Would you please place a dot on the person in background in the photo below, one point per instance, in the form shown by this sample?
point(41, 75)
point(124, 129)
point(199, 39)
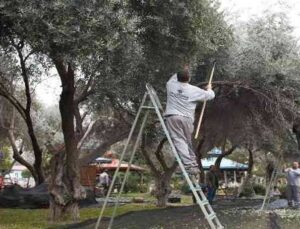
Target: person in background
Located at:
point(212, 183)
point(293, 185)
point(104, 181)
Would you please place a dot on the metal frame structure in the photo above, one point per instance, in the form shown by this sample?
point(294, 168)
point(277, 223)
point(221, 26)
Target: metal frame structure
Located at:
point(150, 102)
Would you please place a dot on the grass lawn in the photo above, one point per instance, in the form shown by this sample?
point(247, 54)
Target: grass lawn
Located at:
point(185, 199)
point(37, 218)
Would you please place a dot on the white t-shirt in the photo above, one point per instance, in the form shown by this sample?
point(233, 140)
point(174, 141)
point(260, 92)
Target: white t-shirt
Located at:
point(293, 177)
point(104, 178)
point(182, 98)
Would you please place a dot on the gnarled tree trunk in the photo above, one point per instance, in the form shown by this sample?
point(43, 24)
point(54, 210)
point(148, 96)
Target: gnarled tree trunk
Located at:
point(163, 188)
point(199, 157)
point(65, 188)
point(248, 180)
point(161, 171)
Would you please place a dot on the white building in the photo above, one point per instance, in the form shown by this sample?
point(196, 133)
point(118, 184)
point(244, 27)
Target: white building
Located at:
point(15, 177)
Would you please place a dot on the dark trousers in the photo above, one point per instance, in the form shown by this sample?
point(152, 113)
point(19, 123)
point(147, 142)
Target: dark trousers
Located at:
point(293, 195)
point(105, 189)
point(211, 192)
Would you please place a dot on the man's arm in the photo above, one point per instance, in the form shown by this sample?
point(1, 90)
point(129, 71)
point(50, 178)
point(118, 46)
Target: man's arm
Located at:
point(297, 172)
point(287, 170)
point(202, 95)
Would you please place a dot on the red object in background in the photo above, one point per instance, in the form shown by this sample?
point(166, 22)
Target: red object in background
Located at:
point(1, 182)
point(114, 165)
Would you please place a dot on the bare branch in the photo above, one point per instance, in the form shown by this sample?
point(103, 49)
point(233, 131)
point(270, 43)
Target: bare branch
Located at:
point(87, 132)
point(12, 100)
point(88, 90)
point(28, 55)
point(159, 155)
point(17, 153)
point(147, 157)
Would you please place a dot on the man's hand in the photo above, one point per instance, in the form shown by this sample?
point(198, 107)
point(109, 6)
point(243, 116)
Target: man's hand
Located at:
point(209, 87)
point(287, 170)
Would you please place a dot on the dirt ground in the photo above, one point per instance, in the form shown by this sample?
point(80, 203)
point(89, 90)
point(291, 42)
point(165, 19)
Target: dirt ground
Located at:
point(233, 214)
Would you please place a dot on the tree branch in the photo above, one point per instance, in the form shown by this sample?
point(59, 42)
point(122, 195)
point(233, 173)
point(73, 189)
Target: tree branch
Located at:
point(102, 148)
point(24, 74)
point(147, 157)
point(17, 153)
point(87, 132)
point(224, 154)
point(13, 101)
point(28, 55)
point(159, 155)
point(88, 90)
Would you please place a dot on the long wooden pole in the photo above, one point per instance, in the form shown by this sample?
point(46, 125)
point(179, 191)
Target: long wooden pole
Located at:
point(204, 103)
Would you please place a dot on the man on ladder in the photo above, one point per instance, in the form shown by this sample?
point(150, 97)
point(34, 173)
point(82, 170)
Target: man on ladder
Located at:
point(182, 99)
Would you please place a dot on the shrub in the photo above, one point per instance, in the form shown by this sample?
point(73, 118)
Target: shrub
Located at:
point(143, 188)
point(282, 189)
point(133, 183)
point(248, 191)
point(259, 189)
point(177, 183)
point(185, 189)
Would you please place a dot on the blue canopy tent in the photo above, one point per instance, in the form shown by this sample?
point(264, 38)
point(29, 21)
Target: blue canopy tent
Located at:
point(227, 166)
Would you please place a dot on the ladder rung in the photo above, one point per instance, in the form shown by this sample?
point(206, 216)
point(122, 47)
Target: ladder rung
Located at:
point(148, 107)
point(204, 202)
point(211, 216)
point(198, 188)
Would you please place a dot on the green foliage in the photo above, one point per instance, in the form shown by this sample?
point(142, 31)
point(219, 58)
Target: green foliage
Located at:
point(247, 192)
point(166, 35)
point(282, 189)
point(259, 85)
point(267, 54)
point(176, 182)
point(5, 163)
point(60, 27)
point(133, 184)
point(185, 189)
point(26, 174)
point(259, 189)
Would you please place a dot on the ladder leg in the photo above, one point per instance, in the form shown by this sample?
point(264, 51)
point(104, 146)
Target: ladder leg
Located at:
point(269, 187)
point(267, 191)
point(121, 159)
point(128, 168)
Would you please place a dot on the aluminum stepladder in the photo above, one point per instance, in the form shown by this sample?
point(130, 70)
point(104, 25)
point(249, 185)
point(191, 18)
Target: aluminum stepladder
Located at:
point(150, 102)
point(273, 181)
